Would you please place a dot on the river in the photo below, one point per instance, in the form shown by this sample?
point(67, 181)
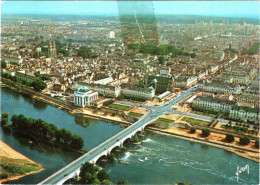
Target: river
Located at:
point(158, 160)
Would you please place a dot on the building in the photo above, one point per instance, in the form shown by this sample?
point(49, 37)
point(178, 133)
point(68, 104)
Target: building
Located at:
point(138, 92)
point(184, 81)
point(104, 90)
point(161, 83)
point(242, 113)
point(52, 52)
point(245, 114)
point(104, 81)
point(165, 71)
point(213, 104)
point(111, 34)
point(14, 58)
point(83, 97)
point(219, 88)
point(140, 64)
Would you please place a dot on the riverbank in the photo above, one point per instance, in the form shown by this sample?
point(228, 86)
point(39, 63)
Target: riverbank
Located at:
point(215, 140)
point(248, 153)
point(9, 153)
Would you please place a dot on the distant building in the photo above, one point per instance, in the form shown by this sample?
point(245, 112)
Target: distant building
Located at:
point(111, 34)
point(52, 52)
point(83, 97)
point(165, 71)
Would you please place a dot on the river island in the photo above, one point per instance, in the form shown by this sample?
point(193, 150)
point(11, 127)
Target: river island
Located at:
point(15, 165)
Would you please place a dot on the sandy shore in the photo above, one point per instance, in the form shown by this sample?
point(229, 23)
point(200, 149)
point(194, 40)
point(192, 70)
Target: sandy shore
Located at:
point(217, 139)
point(7, 151)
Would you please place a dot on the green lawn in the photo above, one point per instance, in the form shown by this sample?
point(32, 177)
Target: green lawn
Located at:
point(196, 121)
point(135, 114)
point(163, 120)
point(120, 107)
point(204, 114)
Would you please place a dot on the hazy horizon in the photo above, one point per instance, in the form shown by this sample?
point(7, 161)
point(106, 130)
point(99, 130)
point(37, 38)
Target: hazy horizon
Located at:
point(235, 9)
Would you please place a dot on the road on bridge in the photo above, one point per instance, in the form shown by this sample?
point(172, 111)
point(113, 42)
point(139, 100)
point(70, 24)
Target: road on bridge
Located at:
point(154, 112)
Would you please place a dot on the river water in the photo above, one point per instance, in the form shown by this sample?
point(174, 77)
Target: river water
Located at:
point(158, 160)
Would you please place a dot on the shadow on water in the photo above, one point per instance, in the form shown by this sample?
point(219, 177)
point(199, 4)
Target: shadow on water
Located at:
point(27, 98)
point(41, 147)
point(204, 147)
point(84, 122)
point(39, 105)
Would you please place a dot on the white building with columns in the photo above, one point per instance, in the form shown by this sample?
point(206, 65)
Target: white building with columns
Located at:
point(84, 96)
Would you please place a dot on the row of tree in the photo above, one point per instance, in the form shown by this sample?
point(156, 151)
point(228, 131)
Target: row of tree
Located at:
point(38, 84)
point(243, 140)
point(123, 96)
point(42, 77)
point(91, 174)
point(39, 130)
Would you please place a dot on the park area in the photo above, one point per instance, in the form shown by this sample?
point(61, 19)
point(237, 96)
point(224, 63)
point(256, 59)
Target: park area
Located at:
point(120, 107)
point(196, 121)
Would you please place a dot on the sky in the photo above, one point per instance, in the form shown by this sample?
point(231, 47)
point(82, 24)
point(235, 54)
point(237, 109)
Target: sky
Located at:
point(208, 8)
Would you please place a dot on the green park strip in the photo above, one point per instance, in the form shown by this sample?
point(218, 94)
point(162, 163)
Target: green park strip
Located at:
point(204, 114)
point(120, 107)
point(196, 121)
point(163, 120)
point(14, 167)
point(135, 114)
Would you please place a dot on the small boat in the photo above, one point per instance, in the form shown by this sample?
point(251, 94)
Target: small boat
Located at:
point(141, 160)
point(146, 158)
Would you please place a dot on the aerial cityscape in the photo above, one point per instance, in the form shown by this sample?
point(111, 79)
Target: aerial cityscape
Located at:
point(130, 92)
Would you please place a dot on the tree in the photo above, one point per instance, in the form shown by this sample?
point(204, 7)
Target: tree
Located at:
point(244, 140)
point(102, 175)
point(140, 84)
point(257, 143)
point(229, 138)
point(192, 130)
point(161, 60)
point(77, 142)
point(229, 122)
point(84, 52)
point(111, 157)
point(4, 118)
point(107, 103)
point(96, 182)
point(38, 85)
point(123, 181)
point(88, 173)
point(136, 139)
point(205, 132)
point(106, 182)
point(3, 64)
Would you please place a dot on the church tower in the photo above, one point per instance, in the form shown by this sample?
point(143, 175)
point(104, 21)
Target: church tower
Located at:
point(52, 50)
